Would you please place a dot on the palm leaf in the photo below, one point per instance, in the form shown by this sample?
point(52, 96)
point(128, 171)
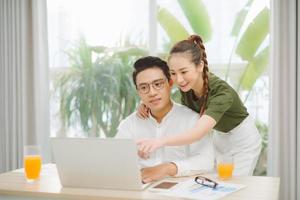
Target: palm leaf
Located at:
point(254, 35)
point(197, 15)
point(254, 69)
point(240, 19)
point(171, 25)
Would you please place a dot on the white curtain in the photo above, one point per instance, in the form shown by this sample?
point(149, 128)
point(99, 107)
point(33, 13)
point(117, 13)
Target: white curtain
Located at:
point(283, 157)
point(297, 157)
point(24, 85)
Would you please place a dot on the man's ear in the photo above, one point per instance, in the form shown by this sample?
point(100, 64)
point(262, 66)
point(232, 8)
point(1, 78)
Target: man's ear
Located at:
point(171, 82)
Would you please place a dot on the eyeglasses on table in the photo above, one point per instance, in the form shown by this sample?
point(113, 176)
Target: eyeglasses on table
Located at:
point(206, 182)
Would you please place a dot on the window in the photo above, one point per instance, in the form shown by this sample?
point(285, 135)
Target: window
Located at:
point(104, 30)
point(112, 25)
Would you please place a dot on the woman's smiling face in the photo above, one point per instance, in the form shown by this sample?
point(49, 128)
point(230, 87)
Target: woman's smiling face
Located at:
point(186, 74)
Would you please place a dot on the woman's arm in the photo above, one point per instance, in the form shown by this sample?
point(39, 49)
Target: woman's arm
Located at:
point(202, 127)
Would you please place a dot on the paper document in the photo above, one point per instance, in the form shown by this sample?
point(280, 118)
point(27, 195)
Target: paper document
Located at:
point(192, 190)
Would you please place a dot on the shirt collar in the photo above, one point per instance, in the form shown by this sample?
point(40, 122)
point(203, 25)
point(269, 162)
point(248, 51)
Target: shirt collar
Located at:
point(166, 116)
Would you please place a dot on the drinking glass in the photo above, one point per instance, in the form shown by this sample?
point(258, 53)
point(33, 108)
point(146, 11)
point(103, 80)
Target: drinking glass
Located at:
point(225, 167)
point(32, 162)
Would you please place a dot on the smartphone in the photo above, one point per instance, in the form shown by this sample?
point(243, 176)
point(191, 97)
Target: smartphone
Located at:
point(163, 186)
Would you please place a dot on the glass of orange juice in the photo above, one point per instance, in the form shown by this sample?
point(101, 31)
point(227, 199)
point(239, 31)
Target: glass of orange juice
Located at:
point(225, 167)
point(32, 162)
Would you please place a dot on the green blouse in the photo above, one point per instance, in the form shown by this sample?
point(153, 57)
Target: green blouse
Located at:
point(223, 104)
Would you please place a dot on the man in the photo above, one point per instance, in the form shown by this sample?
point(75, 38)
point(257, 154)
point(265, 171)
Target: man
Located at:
point(152, 80)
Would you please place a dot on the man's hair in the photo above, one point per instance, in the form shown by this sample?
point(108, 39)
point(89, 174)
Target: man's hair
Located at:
point(147, 63)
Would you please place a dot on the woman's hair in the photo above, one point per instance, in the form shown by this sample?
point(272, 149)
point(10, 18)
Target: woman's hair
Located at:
point(150, 62)
point(194, 46)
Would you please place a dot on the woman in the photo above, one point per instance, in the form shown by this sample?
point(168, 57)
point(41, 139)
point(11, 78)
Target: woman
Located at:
point(219, 106)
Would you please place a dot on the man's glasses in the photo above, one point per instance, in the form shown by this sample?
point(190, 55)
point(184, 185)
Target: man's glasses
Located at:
point(206, 182)
point(145, 87)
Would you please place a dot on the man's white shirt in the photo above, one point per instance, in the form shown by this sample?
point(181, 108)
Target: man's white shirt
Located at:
point(190, 159)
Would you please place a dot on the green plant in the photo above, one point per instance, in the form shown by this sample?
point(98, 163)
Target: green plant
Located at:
point(97, 90)
point(261, 166)
point(250, 46)
point(196, 14)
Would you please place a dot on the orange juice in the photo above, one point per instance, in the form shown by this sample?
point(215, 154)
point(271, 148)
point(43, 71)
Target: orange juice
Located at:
point(32, 165)
point(225, 170)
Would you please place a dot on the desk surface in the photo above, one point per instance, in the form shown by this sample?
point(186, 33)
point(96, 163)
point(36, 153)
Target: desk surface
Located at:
point(14, 184)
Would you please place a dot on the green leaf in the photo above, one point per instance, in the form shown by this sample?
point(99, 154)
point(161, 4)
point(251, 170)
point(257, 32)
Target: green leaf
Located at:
point(98, 49)
point(171, 25)
point(240, 19)
point(197, 15)
point(254, 69)
point(254, 35)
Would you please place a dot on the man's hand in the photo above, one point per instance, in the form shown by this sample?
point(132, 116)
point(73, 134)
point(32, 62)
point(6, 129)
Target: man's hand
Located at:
point(157, 172)
point(147, 146)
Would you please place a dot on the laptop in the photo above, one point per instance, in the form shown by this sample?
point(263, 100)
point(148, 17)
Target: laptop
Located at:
point(97, 163)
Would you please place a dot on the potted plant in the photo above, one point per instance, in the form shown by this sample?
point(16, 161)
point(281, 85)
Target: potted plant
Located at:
point(96, 91)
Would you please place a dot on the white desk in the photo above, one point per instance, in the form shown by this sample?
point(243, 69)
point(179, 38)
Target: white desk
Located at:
point(14, 186)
